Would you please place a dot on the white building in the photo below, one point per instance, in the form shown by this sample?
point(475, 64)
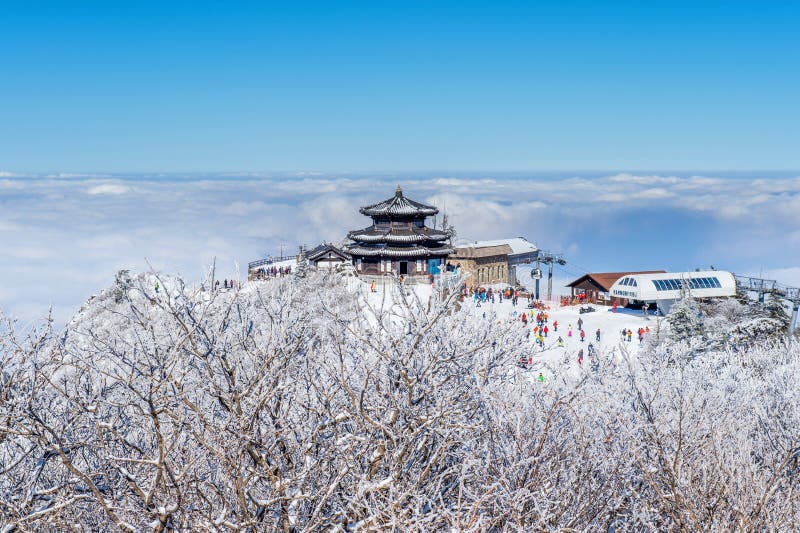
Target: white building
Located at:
point(665, 288)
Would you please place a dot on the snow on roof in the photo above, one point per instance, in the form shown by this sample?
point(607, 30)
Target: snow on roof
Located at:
point(518, 245)
point(399, 205)
point(470, 252)
point(607, 279)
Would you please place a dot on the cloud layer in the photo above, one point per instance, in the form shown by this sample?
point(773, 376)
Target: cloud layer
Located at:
point(63, 237)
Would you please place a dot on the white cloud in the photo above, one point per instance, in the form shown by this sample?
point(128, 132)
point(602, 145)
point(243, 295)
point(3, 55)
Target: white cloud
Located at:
point(64, 238)
point(109, 188)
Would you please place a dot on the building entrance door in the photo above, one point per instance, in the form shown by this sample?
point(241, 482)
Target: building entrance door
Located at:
point(403, 268)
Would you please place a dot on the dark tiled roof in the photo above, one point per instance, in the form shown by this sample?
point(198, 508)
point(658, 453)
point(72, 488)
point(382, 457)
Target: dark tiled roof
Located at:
point(399, 205)
point(391, 251)
point(415, 235)
point(324, 248)
point(607, 279)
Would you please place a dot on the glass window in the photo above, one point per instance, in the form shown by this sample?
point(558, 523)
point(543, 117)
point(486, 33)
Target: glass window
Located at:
point(716, 283)
point(633, 282)
point(707, 283)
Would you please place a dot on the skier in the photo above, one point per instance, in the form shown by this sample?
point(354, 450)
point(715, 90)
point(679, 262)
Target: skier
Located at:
point(546, 316)
point(541, 378)
point(555, 325)
point(590, 350)
point(629, 335)
point(569, 333)
point(546, 330)
point(561, 342)
point(156, 286)
point(597, 335)
point(580, 324)
point(580, 357)
point(583, 335)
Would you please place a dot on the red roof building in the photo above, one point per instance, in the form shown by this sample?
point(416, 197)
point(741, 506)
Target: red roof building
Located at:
point(596, 287)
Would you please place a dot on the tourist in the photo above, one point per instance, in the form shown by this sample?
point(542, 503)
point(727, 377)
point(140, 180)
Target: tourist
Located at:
point(569, 333)
point(555, 325)
point(583, 335)
point(597, 335)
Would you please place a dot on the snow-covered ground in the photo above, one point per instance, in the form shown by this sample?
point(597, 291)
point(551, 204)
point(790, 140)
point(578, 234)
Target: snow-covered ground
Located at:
point(552, 360)
point(564, 360)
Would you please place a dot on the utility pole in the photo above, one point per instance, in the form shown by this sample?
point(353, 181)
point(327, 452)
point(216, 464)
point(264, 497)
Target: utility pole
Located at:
point(549, 259)
point(213, 272)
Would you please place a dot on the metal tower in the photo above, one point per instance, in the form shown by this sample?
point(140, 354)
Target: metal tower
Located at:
point(547, 258)
point(769, 286)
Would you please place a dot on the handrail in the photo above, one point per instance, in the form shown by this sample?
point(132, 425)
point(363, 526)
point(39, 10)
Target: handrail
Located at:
point(261, 262)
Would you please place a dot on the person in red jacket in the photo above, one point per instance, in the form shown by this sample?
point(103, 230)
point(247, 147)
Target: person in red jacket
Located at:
point(583, 335)
point(555, 325)
point(546, 330)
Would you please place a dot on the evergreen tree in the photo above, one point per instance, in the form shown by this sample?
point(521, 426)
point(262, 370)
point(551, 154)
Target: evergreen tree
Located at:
point(685, 320)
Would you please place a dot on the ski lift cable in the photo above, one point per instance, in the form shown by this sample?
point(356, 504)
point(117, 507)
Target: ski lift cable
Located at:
point(570, 272)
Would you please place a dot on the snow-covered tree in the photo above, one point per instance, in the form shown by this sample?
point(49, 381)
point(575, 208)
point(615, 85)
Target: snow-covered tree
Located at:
point(685, 319)
point(298, 405)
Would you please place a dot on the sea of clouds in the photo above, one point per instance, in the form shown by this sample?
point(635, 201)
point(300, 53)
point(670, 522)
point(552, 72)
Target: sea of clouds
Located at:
point(63, 237)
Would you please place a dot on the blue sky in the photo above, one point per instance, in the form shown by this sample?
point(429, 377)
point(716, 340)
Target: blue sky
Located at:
point(143, 86)
point(626, 134)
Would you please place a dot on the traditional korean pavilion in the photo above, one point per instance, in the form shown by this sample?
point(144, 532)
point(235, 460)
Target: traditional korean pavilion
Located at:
point(398, 241)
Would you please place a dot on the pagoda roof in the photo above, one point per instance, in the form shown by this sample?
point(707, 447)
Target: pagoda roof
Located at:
point(391, 251)
point(399, 205)
point(405, 236)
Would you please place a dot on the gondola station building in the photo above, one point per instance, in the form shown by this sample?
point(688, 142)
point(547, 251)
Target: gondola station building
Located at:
point(398, 241)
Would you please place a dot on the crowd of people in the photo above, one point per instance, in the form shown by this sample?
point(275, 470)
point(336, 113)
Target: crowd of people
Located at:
point(273, 271)
point(544, 329)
